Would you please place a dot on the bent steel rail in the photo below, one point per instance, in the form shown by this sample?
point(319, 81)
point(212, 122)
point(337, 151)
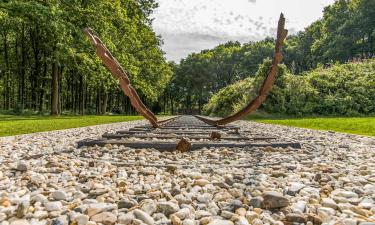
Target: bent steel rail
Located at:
point(267, 84)
point(115, 68)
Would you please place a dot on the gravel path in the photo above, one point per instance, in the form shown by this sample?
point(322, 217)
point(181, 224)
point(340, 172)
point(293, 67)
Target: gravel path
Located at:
point(331, 180)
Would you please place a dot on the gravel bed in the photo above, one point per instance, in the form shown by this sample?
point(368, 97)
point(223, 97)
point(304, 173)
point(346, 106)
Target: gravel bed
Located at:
point(46, 180)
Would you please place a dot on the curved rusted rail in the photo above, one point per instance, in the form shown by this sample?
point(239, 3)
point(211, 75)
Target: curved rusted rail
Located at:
point(267, 84)
point(115, 68)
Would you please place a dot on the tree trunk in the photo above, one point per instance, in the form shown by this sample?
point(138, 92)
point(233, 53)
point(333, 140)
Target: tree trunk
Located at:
point(7, 79)
point(105, 103)
point(55, 90)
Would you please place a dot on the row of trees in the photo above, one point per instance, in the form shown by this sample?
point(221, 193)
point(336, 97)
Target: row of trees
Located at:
point(346, 32)
point(47, 63)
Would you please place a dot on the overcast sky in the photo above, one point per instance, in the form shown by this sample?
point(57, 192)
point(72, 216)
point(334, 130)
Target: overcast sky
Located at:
point(193, 25)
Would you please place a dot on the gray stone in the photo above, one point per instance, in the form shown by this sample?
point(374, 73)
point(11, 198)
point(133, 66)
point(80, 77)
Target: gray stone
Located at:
point(22, 166)
point(148, 206)
point(53, 206)
point(57, 221)
point(59, 195)
point(294, 188)
point(39, 198)
point(22, 209)
point(126, 204)
point(126, 218)
point(147, 219)
point(202, 213)
point(105, 218)
point(330, 203)
point(273, 200)
point(256, 202)
point(168, 208)
point(295, 218)
point(98, 208)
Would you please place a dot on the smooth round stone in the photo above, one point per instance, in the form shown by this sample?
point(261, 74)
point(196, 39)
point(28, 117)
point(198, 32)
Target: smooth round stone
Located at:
point(330, 203)
point(39, 198)
point(201, 182)
point(59, 195)
point(22, 166)
point(147, 219)
point(105, 218)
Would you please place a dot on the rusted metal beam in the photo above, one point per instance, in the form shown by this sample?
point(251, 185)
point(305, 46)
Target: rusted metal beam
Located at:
point(171, 146)
point(192, 137)
point(267, 84)
point(197, 132)
point(115, 68)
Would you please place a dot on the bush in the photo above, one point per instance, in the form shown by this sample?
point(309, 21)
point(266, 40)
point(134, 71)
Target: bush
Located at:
point(346, 90)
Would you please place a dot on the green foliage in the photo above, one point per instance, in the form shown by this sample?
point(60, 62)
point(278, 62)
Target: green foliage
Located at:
point(346, 89)
point(230, 99)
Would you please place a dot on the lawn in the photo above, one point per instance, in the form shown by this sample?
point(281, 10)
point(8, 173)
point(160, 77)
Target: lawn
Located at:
point(351, 125)
point(14, 125)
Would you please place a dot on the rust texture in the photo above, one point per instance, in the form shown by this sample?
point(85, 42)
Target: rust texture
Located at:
point(267, 84)
point(115, 68)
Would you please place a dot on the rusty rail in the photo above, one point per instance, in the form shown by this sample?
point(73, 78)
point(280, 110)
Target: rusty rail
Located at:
point(115, 68)
point(267, 84)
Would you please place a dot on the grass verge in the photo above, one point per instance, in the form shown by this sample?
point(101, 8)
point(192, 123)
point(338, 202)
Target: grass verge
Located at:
point(14, 125)
point(351, 125)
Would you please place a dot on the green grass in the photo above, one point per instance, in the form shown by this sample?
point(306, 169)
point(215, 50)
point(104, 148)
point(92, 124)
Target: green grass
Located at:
point(14, 125)
point(351, 125)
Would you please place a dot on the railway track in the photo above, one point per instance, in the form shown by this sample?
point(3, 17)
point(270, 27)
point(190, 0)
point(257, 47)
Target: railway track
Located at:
point(187, 133)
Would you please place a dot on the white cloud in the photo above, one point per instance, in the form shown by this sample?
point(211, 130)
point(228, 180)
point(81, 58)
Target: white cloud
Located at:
point(192, 25)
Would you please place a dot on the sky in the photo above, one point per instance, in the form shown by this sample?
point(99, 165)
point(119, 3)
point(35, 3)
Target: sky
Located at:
point(188, 26)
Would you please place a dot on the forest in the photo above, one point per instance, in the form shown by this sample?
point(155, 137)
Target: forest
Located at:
point(48, 66)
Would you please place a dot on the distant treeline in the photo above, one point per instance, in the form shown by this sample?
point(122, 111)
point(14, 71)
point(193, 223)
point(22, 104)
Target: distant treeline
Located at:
point(345, 33)
point(48, 65)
